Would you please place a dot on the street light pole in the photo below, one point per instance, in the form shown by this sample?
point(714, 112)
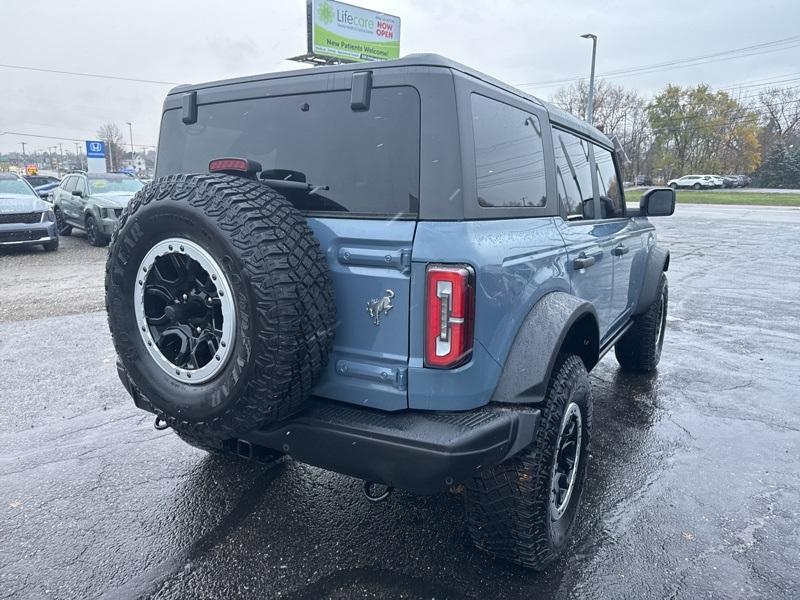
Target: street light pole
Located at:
point(130, 131)
point(590, 103)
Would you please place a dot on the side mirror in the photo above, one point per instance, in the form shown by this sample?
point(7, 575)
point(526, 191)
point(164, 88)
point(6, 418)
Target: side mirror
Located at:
point(657, 202)
point(78, 193)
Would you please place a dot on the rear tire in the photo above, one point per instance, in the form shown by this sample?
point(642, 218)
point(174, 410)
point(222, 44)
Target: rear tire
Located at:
point(640, 348)
point(512, 511)
point(61, 223)
point(696, 186)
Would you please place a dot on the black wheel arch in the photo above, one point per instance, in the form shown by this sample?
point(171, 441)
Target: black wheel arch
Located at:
point(559, 322)
point(657, 263)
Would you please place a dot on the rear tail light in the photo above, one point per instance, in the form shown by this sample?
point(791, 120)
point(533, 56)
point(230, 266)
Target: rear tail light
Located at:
point(449, 315)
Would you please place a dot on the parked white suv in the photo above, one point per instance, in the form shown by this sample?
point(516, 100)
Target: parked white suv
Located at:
point(695, 182)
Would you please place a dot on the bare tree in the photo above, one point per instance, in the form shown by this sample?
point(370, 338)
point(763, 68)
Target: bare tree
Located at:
point(781, 110)
point(112, 136)
point(617, 111)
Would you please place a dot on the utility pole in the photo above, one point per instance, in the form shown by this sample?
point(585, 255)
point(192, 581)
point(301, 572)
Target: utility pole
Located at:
point(130, 130)
point(23, 150)
point(590, 103)
point(78, 155)
point(61, 160)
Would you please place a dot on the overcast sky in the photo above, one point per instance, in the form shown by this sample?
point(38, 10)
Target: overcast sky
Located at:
point(199, 40)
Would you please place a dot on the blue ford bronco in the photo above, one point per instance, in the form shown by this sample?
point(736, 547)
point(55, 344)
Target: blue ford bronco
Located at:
point(400, 271)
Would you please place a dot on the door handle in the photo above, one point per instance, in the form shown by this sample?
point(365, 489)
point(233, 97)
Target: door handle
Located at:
point(620, 250)
point(583, 261)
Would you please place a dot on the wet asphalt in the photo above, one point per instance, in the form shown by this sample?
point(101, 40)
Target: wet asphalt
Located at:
point(693, 488)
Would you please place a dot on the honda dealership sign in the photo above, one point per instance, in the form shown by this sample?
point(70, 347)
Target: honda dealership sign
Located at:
point(351, 34)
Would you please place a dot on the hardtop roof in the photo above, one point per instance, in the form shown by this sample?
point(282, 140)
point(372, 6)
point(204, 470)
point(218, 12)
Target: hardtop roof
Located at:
point(557, 115)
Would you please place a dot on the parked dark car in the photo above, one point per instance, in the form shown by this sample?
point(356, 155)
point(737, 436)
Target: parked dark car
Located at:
point(730, 181)
point(25, 219)
point(742, 180)
point(43, 184)
point(643, 180)
point(93, 202)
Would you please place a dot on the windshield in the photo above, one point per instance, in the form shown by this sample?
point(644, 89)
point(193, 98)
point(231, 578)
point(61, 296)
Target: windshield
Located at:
point(112, 185)
point(15, 188)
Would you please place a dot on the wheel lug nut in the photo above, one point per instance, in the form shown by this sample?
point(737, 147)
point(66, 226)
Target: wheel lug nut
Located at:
point(185, 297)
point(198, 330)
point(214, 277)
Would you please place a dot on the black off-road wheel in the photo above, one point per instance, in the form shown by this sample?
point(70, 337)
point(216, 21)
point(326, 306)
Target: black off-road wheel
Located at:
point(61, 223)
point(93, 234)
point(220, 304)
point(523, 510)
point(640, 348)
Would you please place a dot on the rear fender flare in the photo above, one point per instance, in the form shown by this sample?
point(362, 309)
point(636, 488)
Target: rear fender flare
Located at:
point(557, 322)
point(657, 263)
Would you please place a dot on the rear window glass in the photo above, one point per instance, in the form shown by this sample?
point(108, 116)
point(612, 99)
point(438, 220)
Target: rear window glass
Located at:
point(357, 162)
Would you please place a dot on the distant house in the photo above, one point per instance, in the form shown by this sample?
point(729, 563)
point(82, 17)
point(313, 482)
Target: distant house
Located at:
point(137, 164)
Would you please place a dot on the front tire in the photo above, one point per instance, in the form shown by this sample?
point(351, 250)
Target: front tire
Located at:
point(640, 348)
point(93, 234)
point(50, 246)
point(523, 510)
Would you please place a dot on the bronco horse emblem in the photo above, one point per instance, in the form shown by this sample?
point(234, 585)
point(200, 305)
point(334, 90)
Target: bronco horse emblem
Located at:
point(376, 306)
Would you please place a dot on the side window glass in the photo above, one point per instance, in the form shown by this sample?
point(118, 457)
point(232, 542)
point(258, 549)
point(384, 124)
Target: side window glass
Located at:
point(573, 175)
point(81, 185)
point(69, 184)
point(611, 205)
point(509, 156)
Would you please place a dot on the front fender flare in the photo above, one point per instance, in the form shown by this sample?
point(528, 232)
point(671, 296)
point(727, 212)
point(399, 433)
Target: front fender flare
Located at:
point(539, 340)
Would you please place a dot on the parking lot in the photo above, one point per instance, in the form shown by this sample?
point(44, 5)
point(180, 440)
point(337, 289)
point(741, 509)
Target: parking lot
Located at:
point(693, 486)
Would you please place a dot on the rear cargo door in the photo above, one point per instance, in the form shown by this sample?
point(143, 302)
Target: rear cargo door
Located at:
point(370, 263)
point(349, 160)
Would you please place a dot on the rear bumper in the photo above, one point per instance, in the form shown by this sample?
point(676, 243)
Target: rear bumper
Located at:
point(422, 452)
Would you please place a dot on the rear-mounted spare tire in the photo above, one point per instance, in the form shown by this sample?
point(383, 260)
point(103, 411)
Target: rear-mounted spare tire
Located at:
point(219, 302)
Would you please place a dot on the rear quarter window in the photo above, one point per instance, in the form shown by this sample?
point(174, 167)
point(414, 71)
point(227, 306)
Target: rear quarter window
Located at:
point(368, 160)
point(509, 155)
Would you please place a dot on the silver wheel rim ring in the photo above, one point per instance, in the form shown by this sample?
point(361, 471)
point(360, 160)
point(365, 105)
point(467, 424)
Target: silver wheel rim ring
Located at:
point(207, 262)
point(557, 510)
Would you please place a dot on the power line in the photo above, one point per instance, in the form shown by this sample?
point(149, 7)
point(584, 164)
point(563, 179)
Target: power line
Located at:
point(744, 51)
point(63, 139)
point(79, 74)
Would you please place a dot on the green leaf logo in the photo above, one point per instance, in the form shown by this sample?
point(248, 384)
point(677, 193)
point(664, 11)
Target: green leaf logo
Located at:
point(325, 13)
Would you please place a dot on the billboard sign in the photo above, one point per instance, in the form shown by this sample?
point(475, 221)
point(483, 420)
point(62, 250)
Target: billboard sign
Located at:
point(351, 34)
point(95, 156)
